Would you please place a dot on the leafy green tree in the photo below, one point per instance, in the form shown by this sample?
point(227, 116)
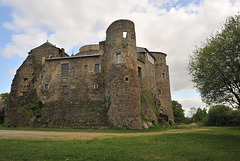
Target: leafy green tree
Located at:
point(219, 115)
point(215, 66)
point(4, 96)
point(178, 112)
point(200, 115)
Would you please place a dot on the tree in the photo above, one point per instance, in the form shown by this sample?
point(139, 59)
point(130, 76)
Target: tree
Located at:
point(4, 96)
point(215, 66)
point(200, 115)
point(178, 112)
point(220, 115)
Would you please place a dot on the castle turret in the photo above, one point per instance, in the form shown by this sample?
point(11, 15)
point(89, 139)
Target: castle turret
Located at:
point(163, 85)
point(121, 75)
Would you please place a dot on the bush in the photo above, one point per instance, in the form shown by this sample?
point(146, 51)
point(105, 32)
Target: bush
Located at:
point(221, 115)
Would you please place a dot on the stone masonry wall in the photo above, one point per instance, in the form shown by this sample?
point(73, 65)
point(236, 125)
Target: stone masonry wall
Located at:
point(163, 85)
point(121, 75)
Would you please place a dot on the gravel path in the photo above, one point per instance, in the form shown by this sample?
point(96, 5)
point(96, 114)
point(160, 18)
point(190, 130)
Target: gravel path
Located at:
point(46, 135)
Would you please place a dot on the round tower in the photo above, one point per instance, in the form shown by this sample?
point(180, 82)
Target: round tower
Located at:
point(121, 80)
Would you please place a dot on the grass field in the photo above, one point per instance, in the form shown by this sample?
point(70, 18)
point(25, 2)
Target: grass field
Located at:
point(216, 143)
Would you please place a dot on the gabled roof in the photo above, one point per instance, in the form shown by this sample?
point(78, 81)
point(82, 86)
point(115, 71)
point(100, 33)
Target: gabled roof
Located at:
point(49, 44)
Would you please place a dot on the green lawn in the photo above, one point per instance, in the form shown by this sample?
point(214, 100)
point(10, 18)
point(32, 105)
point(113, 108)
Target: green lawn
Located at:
point(217, 143)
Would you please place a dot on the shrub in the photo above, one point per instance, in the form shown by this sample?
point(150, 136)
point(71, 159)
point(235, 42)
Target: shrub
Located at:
point(221, 115)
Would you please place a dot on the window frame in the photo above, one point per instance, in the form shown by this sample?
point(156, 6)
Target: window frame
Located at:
point(65, 89)
point(46, 86)
point(97, 68)
point(119, 58)
point(65, 69)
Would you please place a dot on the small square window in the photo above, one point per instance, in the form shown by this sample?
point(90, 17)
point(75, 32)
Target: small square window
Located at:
point(65, 89)
point(126, 79)
point(159, 91)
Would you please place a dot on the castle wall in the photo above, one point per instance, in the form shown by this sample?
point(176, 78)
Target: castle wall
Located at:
point(83, 83)
point(44, 102)
point(146, 73)
point(27, 75)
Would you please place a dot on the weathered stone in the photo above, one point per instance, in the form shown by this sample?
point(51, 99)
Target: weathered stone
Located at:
point(145, 126)
point(110, 83)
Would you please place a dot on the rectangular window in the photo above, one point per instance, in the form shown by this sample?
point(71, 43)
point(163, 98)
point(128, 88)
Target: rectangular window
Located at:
point(160, 60)
point(65, 70)
point(119, 58)
point(163, 75)
point(124, 34)
point(46, 86)
point(65, 89)
point(139, 71)
point(97, 69)
point(85, 68)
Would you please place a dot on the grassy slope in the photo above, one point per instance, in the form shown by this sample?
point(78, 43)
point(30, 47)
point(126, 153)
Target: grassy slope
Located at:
point(218, 143)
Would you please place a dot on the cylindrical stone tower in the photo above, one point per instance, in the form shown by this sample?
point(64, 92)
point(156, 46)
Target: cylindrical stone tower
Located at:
point(121, 80)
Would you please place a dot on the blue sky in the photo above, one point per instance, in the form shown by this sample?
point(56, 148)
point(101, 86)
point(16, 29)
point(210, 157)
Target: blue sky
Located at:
point(171, 26)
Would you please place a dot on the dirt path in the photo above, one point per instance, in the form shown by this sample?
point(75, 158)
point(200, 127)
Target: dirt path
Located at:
point(44, 135)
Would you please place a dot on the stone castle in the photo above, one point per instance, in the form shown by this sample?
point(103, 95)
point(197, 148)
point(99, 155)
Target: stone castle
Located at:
point(113, 83)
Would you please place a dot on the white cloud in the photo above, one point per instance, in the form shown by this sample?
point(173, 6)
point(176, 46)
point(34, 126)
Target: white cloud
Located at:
point(189, 102)
point(70, 23)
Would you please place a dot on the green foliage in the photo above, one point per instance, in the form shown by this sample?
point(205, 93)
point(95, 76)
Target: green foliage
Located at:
point(178, 112)
point(212, 144)
point(221, 115)
point(147, 97)
point(25, 112)
point(215, 66)
point(200, 115)
point(4, 96)
point(31, 106)
point(35, 99)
